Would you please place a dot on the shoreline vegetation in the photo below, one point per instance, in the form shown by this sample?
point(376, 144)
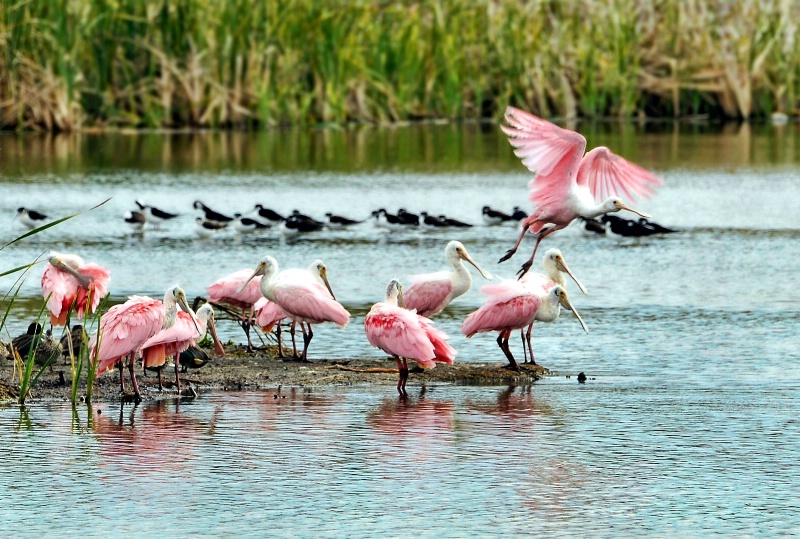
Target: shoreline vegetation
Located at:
point(248, 64)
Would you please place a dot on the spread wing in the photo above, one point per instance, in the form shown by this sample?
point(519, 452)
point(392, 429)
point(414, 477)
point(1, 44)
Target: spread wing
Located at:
point(607, 174)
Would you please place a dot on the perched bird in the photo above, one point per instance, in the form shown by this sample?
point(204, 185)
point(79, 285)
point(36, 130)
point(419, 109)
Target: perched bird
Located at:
point(69, 283)
point(453, 222)
point(31, 218)
point(511, 305)
point(388, 220)
point(211, 215)
point(268, 214)
point(493, 217)
point(304, 295)
point(432, 220)
point(407, 217)
point(568, 183)
point(126, 327)
point(155, 215)
point(633, 228)
point(136, 219)
point(186, 331)
point(209, 229)
point(430, 293)
point(297, 222)
point(338, 220)
point(405, 335)
point(518, 214)
point(226, 291)
point(246, 225)
point(268, 317)
point(44, 347)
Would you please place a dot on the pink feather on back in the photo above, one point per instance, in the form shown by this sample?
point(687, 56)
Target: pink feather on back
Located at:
point(224, 290)
point(428, 296)
point(65, 291)
point(510, 305)
point(173, 340)
point(269, 313)
point(310, 302)
point(124, 329)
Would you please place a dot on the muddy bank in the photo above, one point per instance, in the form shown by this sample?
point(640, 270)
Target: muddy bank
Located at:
point(239, 370)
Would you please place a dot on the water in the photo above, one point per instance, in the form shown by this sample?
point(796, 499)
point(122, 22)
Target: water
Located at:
point(686, 427)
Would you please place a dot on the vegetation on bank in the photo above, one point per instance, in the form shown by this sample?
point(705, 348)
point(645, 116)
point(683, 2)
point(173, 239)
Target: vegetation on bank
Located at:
point(70, 64)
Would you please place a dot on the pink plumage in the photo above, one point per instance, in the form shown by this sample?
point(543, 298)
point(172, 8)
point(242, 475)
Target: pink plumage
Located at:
point(430, 295)
point(305, 300)
point(125, 328)
point(173, 340)
point(569, 184)
point(509, 306)
point(224, 290)
point(63, 290)
point(269, 314)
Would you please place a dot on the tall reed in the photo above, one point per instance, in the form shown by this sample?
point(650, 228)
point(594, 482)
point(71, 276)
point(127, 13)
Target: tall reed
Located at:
point(249, 63)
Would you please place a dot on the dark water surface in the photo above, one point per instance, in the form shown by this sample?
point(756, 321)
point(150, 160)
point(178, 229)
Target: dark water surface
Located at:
point(687, 427)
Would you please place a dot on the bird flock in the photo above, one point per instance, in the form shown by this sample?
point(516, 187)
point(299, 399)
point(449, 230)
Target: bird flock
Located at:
point(567, 185)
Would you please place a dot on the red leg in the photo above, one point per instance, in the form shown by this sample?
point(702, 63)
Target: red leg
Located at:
point(513, 250)
point(307, 336)
point(121, 377)
point(524, 350)
point(137, 395)
point(502, 342)
point(528, 338)
point(177, 376)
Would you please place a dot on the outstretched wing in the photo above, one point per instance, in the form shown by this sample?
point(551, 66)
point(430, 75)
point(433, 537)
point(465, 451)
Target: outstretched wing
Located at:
point(607, 174)
point(552, 153)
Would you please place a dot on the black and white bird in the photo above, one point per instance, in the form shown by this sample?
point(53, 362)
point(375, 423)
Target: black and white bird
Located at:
point(630, 228)
point(269, 215)
point(211, 215)
point(518, 214)
point(407, 217)
point(136, 219)
point(31, 218)
point(208, 229)
point(338, 220)
point(154, 215)
point(388, 220)
point(493, 217)
point(298, 222)
point(431, 220)
point(245, 224)
point(453, 222)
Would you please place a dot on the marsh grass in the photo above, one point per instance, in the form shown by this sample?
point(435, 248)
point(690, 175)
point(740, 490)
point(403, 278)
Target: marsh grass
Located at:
point(249, 63)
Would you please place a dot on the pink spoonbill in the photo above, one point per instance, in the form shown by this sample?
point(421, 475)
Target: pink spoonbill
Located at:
point(305, 295)
point(126, 327)
point(430, 293)
point(177, 338)
point(405, 335)
point(70, 283)
point(226, 291)
point(568, 184)
point(511, 305)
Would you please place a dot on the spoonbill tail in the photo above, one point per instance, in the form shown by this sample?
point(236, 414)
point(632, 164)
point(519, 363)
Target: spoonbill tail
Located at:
point(126, 327)
point(569, 184)
point(68, 282)
point(430, 293)
point(405, 335)
point(304, 294)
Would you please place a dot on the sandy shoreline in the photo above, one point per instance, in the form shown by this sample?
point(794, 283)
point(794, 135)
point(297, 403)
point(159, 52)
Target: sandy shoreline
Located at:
point(239, 370)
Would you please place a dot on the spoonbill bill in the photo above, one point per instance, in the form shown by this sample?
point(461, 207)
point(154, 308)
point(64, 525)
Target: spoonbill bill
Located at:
point(568, 184)
point(304, 294)
point(405, 335)
point(70, 283)
point(430, 293)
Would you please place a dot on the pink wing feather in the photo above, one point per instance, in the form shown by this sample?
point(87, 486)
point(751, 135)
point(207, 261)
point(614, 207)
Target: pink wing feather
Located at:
point(61, 288)
point(97, 289)
point(310, 302)
point(428, 297)
point(398, 332)
point(125, 328)
point(173, 340)
point(509, 306)
point(607, 174)
point(269, 313)
point(224, 290)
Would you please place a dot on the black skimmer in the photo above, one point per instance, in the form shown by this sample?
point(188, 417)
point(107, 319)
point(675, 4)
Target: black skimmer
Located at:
point(212, 215)
point(432, 220)
point(453, 222)
point(268, 214)
point(407, 217)
point(495, 217)
point(153, 214)
point(518, 214)
point(634, 229)
point(338, 220)
point(31, 218)
point(136, 219)
point(208, 229)
point(388, 220)
point(297, 222)
point(657, 229)
point(245, 224)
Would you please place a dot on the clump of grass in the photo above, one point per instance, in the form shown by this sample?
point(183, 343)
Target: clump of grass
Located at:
point(248, 63)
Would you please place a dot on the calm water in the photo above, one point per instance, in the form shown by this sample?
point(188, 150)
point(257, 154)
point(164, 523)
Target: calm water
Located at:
point(688, 427)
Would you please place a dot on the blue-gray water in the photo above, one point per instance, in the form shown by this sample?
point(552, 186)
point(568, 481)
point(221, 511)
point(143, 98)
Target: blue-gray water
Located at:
point(688, 425)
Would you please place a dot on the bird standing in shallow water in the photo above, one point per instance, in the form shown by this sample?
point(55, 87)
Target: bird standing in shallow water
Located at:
point(405, 335)
point(31, 218)
point(430, 293)
point(569, 184)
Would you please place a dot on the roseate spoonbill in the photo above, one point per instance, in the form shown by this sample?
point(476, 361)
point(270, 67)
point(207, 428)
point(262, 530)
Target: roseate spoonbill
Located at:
point(554, 266)
point(405, 335)
point(493, 217)
point(226, 291)
point(305, 295)
point(175, 339)
point(31, 218)
point(268, 214)
point(44, 347)
point(208, 229)
point(136, 219)
point(211, 215)
point(68, 282)
point(338, 220)
point(245, 224)
point(127, 326)
point(153, 214)
point(511, 305)
point(430, 293)
point(568, 184)
point(268, 316)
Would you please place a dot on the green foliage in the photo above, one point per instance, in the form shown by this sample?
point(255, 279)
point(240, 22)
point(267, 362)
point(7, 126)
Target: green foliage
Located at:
point(250, 63)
